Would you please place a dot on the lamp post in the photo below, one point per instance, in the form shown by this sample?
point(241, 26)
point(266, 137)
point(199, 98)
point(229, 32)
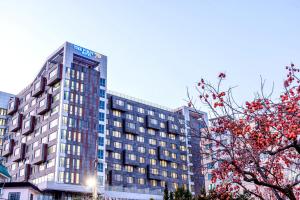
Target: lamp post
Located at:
point(92, 183)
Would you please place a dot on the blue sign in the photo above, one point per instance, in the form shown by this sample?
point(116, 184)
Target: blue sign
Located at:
point(84, 51)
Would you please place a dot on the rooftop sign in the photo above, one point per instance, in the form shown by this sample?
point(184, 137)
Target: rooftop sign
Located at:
point(86, 52)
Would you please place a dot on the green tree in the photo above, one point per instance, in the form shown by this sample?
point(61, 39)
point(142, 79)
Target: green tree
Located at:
point(183, 194)
point(166, 192)
point(171, 196)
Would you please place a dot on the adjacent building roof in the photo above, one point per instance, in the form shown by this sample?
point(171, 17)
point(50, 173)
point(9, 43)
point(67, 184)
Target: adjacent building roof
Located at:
point(19, 185)
point(4, 171)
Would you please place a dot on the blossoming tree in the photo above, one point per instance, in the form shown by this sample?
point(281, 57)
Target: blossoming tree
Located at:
point(255, 146)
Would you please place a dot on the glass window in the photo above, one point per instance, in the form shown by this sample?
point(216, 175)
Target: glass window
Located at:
point(141, 110)
point(118, 145)
point(101, 116)
point(102, 82)
point(140, 119)
point(52, 136)
point(116, 155)
point(129, 116)
point(141, 149)
point(129, 107)
point(129, 147)
point(117, 124)
point(101, 141)
point(101, 128)
point(53, 73)
point(141, 181)
point(152, 141)
point(116, 134)
point(150, 112)
point(129, 179)
point(116, 113)
point(140, 139)
point(152, 151)
point(53, 123)
point(129, 168)
point(102, 93)
point(100, 167)
point(100, 153)
point(151, 131)
point(102, 104)
point(129, 136)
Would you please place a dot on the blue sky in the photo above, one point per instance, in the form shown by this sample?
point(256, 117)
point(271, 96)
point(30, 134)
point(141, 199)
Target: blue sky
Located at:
point(155, 48)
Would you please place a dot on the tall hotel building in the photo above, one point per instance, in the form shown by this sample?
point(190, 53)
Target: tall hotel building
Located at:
point(65, 128)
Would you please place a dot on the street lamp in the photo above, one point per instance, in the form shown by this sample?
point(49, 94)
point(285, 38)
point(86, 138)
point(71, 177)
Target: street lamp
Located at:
point(91, 182)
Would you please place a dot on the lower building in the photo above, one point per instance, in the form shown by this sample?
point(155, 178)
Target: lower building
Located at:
point(19, 191)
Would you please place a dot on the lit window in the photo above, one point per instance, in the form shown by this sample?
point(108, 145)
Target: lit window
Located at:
point(152, 161)
point(162, 134)
point(153, 183)
point(116, 155)
point(141, 129)
point(154, 171)
point(163, 163)
point(140, 119)
point(116, 134)
point(174, 165)
point(141, 181)
point(129, 168)
point(142, 160)
point(128, 147)
point(141, 170)
point(129, 136)
point(172, 136)
point(116, 113)
point(162, 143)
point(132, 157)
point(152, 141)
point(118, 145)
point(152, 151)
point(174, 175)
point(117, 167)
point(117, 124)
point(140, 139)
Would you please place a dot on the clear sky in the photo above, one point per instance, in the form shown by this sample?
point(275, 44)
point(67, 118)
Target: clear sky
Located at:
point(155, 48)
